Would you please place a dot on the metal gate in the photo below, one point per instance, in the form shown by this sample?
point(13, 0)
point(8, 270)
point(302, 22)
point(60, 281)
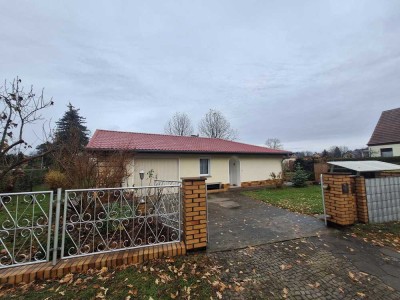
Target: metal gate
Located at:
point(96, 221)
point(87, 222)
point(383, 198)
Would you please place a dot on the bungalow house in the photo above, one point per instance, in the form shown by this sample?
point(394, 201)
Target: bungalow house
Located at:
point(224, 163)
point(385, 140)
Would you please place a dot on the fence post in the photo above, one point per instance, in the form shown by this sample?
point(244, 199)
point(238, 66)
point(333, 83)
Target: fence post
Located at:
point(56, 228)
point(194, 212)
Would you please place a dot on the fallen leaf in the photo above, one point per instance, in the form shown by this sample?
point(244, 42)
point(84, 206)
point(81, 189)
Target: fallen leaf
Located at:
point(239, 288)
point(285, 267)
point(352, 276)
point(78, 281)
point(285, 292)
point(133, 292)
point(314, 286)
point(362, 295)
point(105, 290)
point(67, 278)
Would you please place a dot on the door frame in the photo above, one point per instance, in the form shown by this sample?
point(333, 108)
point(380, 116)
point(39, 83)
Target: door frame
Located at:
point(234, 171)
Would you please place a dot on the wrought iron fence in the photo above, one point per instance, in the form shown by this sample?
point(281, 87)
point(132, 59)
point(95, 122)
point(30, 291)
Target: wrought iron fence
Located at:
point(112, 219)
point(93, 221)
point(158, 182)
point(25, 228)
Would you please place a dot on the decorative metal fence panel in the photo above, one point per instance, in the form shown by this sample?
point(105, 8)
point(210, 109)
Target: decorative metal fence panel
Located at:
point(158, 182)
point(25, 228)
point(383, 198)
point(112, 219)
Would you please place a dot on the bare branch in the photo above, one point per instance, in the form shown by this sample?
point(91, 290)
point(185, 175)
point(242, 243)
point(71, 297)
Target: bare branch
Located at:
point(274, 143)
point(215, 125)
point(179, 124)
point(9, 168)
point(17, 109)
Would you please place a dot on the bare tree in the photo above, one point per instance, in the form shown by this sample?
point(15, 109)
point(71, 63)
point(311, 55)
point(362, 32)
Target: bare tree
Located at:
point(274, 143)
point(18, 109)
point(215, 125)
point(179, 124)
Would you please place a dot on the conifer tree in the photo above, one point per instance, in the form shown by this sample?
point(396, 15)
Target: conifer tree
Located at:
point(71, 128)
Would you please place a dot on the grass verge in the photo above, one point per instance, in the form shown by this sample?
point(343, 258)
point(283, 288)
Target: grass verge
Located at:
point(307, 200)
point(187, 277)
point(383, 234)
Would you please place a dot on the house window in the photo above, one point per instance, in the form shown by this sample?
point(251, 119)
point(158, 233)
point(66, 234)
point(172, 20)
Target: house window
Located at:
point(386, 152)
point(204, 166)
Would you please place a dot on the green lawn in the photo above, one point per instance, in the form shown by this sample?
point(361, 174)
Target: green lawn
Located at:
point(187, 277)
point(307, 200)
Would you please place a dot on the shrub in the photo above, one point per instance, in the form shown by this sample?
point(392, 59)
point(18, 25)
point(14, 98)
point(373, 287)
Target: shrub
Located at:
point(300, 177)
point(277, 178)
point(56, 179)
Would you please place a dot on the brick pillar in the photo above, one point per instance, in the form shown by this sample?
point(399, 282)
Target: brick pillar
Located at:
point(361, 200)
point(194, 212)
point(340, 200)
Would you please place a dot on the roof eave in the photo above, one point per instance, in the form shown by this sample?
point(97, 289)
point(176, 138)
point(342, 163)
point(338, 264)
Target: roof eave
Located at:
point(190, 152)
point(385, 143)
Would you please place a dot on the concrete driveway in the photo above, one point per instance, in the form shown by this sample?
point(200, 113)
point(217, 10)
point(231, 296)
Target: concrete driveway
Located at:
point(236, 221)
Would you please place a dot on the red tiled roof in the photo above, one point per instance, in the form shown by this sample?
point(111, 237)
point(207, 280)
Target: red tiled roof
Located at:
point(387, 131)
point(145, 142)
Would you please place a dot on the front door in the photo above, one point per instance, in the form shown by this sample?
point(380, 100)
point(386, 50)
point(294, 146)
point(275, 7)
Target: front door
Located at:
point(234, 172)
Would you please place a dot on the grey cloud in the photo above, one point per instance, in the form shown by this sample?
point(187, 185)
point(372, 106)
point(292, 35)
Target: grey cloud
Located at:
point(317, 74)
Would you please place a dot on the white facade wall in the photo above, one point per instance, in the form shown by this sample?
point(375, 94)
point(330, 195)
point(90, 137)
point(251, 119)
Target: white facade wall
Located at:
point(255, 168)
point(376, 150)
point(176, 166)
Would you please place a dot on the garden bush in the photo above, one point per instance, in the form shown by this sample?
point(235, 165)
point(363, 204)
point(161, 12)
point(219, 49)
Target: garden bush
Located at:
point(56, 179)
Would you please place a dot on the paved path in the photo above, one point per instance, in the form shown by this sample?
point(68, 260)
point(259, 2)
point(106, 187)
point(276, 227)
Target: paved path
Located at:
point(296, 257)
point(237, 221)
point(298, 269)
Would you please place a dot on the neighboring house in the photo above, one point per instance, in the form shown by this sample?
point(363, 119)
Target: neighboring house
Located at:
point(224, 163)
point(385, 140)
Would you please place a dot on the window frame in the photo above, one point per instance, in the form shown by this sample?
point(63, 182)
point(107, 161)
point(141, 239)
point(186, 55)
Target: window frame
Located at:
point(386, 150)
point(208, 166)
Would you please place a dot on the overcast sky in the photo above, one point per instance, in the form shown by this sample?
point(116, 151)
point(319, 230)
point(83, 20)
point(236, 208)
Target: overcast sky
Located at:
point(311, 73)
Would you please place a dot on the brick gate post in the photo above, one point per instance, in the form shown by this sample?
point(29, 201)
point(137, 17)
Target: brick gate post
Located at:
point(361, 194)
point(340, 199)
point(194, 212)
